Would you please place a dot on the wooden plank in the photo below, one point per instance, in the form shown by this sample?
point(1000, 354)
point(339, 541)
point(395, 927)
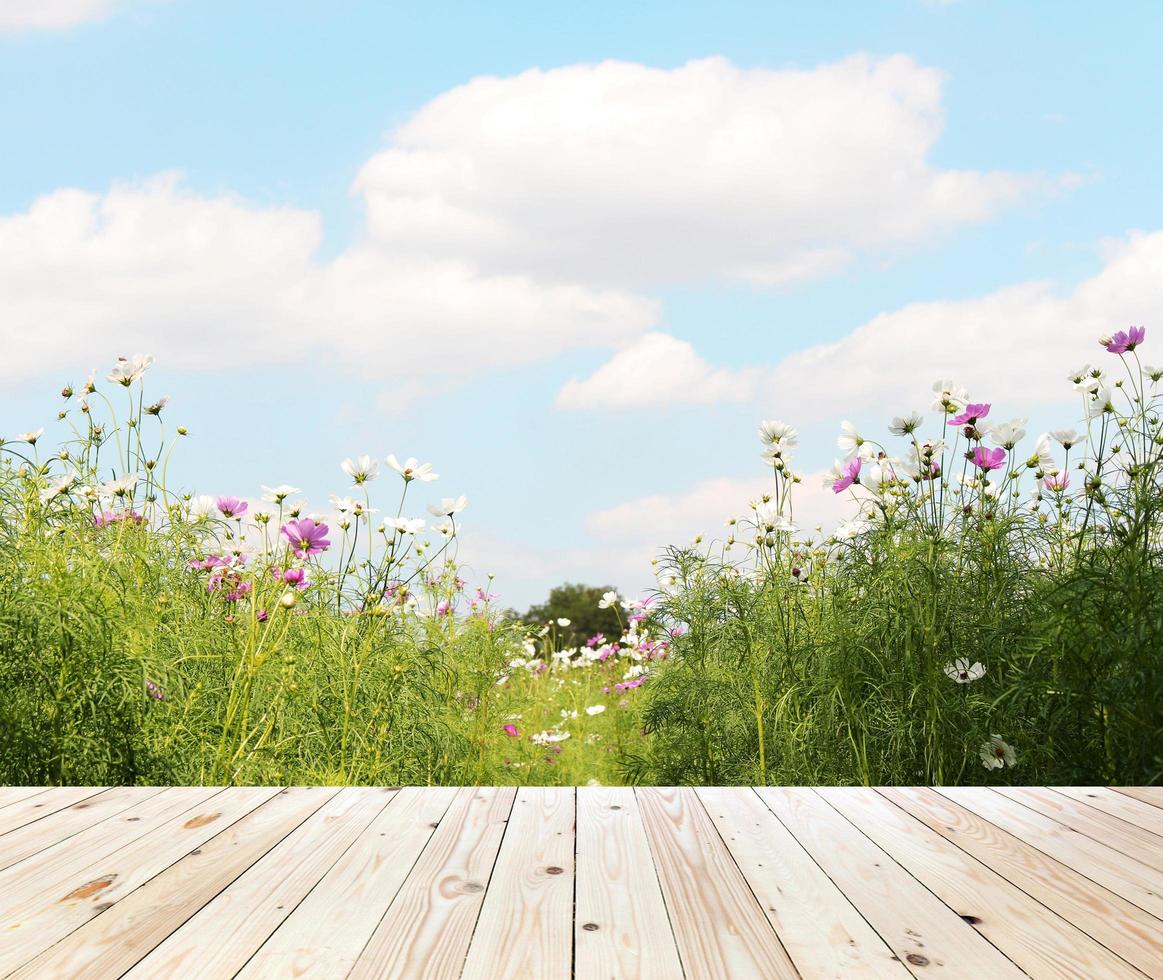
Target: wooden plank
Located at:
point(15, 794)
point(618, 892)
point(1142, 845)
point(38, 922)
point(51, 869)
point(718, 925)
point(824, 935)
point(218, 940)
point(428, 927)
point(113, 941)
point(1142, 886)
point(1127, 808)
point(329, 928)
point(37, 806)
point(525, 928)
point(1122, 927)
point(1037, 940)
point(20, 844)
point(918, 926)
point(1144, 794)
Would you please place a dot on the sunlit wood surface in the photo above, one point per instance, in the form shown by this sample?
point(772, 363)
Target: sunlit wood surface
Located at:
point(588, 882)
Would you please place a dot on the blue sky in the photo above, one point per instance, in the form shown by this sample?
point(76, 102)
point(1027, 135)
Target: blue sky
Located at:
point(276, 115)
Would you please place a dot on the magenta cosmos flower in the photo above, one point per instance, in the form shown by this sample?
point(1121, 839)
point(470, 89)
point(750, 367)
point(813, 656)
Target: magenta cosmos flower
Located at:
point(971, 414)
point(306, 537)
point(989, 459)
point(849, 474)
point(231, 506)
point(1126, 340)
point(511, 731)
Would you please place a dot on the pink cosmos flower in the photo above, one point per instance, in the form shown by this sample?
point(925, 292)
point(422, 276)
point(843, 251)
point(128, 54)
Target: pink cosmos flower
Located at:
point(1126, 340)
point(231, 506)
point(972, 415)
point(989, 459)
point(443, 607)
point(296, 578)
point(262, 616)
point(630, 685)
point(511, 731)
point(849, 474)
point(1058, 482)
point(306, 537)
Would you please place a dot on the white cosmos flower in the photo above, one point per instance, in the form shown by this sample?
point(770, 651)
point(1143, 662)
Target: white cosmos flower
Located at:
point(119, 487)
point(445, 529)
point(1077, 376)
point(549, 736)
point(412, 469)
point(30, 437)
point(563, 622)
point(1094, 381)
point(951, 397)
point(768, 517)
point(276, 495)
point(996, 753)
point(347, 505)
point(1154, 373)
point(1103, 403)
point(1067, 438)
point(850, 530)
point(963, 672)
point(129, 369)
point(849, 439)
point(1042, 457)
point(59, 488)
point(608, 600)
point(781, 434)
point(1008, 434)
point(201, 508)
point(406, 525)
point(362, 469)
point(595, 709)
point(448, 506)
point(905, 425)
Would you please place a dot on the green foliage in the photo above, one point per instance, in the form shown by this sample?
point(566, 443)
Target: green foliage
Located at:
point(580, 605)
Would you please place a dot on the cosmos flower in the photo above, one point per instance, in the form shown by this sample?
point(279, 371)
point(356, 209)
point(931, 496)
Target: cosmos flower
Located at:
point(511, 730)
point(973, 413)
point(276, 495)
point(1124, 340)
point(448, 506)
point(306, 537)
point(128, 370)
point(905, 425)
point(849, 439)
point(362, 469)
point(30, 437)
point(231, 506)
point(411, 469)
point(996, 753)
point(1057, 482)
point(772, 433)
point(1067, 438)
point(963, 672)
point(844, 475)
point(989, 459)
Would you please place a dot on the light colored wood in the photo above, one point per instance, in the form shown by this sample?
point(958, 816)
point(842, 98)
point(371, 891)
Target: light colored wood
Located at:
point(1142, 886)
point(330, 927)
point(55, 870)
point(112, 942)
point(1044, 945)
point(821, 931)
point(1142, 845)
point(618, 892)
point(1117, 804)
point(218, 940)
point(718, 926)
point(924, 932)
point(36, 806)
point(428, 927)
point(20, 844)
point(36, 923)
point(1145, 794)
point(15, 794)
point(1122, 927)
point(525, 928)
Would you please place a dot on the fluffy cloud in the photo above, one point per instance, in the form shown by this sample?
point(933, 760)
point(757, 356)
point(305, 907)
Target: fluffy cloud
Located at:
point(656, 370)
point(1016, 344)
point(199, 280)
point(626, 174)
point(52, 15)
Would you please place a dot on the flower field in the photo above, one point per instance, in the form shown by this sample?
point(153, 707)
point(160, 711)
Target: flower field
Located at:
point(992, 611)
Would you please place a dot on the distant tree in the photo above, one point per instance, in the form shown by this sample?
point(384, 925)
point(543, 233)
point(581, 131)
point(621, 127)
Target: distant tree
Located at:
point(579, 604)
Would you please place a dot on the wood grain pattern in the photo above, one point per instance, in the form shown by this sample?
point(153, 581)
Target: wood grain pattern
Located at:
point(428, 927)
point(660, 883)
point(1120, 926)
point(1145, 794)
point(1041, 944)
point(621, 926)
point(821, 931)
point(525, 927)
point(718, 926)
point(925, 933)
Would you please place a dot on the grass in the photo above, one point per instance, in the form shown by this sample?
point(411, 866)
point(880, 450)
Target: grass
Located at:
point(987, 616)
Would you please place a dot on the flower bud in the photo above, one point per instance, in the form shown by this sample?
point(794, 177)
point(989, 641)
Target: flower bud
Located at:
point(288, 599)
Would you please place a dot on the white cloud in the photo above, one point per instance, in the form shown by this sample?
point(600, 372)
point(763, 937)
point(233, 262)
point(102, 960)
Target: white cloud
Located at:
point(626, 174)
point(1015, 345)
point(662, 519)
point(656, 370)
point(52, 15)
point(202, 281)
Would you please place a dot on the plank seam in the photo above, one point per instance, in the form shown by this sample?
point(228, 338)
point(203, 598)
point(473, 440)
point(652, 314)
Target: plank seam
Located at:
point(658, 879)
